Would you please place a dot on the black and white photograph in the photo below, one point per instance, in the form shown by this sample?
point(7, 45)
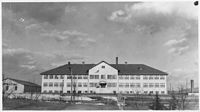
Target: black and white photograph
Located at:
point(97, 55)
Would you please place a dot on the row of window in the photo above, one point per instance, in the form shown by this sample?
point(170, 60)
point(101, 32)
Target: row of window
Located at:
point(126, 77)
point(151, 85)
point(125, 92)
point(103, 77)
point(92, 84)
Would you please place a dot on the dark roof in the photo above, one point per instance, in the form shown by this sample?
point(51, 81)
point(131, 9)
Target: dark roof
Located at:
point(80, 69)
point(24, 82)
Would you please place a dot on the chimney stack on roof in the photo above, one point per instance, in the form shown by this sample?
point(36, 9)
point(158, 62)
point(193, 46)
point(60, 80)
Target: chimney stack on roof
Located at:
point(116, 60)
point(125, 62)
point(83, 62)
point(192, 85)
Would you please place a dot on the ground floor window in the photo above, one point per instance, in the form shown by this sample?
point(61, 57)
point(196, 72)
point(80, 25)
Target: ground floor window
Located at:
point(7, 87)
point(79, 92)
point(163, 92)
point(85, 91)
point(15, 88)
point(68, 91)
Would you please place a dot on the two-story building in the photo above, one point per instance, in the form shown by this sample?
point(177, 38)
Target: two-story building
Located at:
point(104, 78)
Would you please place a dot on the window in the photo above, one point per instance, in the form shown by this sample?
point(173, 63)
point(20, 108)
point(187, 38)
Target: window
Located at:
point(68, 77)
point(79, 92)
point(93, 84)
point(138, 85)
point(51, 77)
point(103, 76)
point(151, 78)
point(145, 85)
point(45, 84)
point(96, 76)
point(120, 77)
point(132, 85)
point(85, 91)
point(163, 92)
point(91, 76)
point(68, 91)
point(151, 85)
point(162, 77)
point(126, 77)
point(79, 84)
point(84, 84)
point(56, 77)
point(121, 84)
point(145, 77)
point(61, 76)
point(111, 77)
point(56, 91)
point(68, 84)
point(55, 84)
point(157, 85)
point(145, 92)
point(45, 76)
point(44, 91)
point(132, 77)
point(50, 84)
point(111, 85)
point(85, 77)
point(162, 85)
point(138, 77)
point(15, 88)
point(61, 84)
point(102, 66)
point(80, 77)
point(150, 92)
point(127, 85)
point(156, 77)
point(74, 77)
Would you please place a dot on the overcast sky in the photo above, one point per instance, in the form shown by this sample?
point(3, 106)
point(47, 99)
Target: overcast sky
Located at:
point(41, 36)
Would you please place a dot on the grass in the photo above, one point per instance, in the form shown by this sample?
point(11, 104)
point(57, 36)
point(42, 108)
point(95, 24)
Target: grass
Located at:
point(24, 104)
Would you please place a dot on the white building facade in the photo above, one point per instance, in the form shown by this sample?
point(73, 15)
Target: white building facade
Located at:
point(104, 78)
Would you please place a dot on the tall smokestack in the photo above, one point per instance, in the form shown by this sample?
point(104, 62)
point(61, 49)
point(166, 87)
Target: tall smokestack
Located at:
point(192, 85)
point(116, 60)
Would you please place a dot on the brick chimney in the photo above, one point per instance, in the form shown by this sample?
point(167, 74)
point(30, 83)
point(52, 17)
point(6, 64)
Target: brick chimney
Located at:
point(116, 60)
point(192, 85)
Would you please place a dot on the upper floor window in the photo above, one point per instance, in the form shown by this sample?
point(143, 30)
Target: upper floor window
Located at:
point(162, 85)
point(126, 77)
point(96, 76)
point(61, 76)
point(145, 85)
point(145, 77)
point(138, 85)
point(85, 77)
point(79, 84)
point(121, 77)
point(45, 76)
point(150, 77)
point(56, 76)
point(51, 77)
point(69, 77)
point(138, 77)
point(111, 77)
point(93, 84)
point(156, 84)
point(61, 84)
point(132, 77)
point(102, 66)
point(103, 76)
point(79, 77)
point(162, 77)
point(45, 84)
point(91, 76)
point(74, 77)
point(156, 77)
point(132, 85)
point(121, 84)
point(68, 84)
point(84, 84)
point(151, 85)
point(50, 84)
point(127, 85)
point(55, 84)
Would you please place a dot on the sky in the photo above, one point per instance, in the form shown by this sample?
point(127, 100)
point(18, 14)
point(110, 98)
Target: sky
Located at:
point(40, 36)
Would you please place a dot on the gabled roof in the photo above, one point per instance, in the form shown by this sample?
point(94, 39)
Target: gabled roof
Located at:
point(26, 83)
point(80, 69)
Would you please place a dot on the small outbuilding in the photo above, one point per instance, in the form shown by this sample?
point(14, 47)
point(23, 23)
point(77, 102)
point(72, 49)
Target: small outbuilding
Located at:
point(11, 85)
